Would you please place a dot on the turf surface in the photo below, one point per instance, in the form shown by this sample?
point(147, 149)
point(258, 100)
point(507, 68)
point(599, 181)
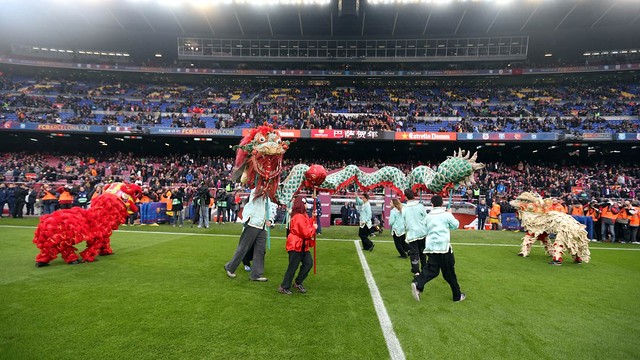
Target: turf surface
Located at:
point(164, 295)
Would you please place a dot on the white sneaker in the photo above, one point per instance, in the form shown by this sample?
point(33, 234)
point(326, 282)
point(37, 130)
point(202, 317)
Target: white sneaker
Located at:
point(462, 297)
point(229, 273)
point(415, 292)
point(247, 268)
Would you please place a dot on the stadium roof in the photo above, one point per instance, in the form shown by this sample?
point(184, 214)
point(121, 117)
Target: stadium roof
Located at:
point(555, 26)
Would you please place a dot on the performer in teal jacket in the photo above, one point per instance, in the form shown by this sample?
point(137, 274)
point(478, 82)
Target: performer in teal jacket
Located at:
point(398, 229)
point(365, 222)
point(439, 223)
point(414, 213)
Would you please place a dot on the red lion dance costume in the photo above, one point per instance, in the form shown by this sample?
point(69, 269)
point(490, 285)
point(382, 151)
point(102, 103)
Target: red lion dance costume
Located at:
point(58, 232)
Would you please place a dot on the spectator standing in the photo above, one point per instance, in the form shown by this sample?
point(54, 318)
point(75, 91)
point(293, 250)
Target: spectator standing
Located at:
point(31, 201)
point(11, 198)
point(81, 198)
point(344, 214)
point(482, 211)
point(202, 199)
point(231, 203)
point(221, 203)
point(177, 204)
point(609, 213)
point(494, 216)
point(49, 199)
point(634, 222)
point(66, 198)
point(20, 193)
point(3, 198)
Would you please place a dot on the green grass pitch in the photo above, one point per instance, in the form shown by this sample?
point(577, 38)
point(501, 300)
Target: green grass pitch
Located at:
point(164, 295)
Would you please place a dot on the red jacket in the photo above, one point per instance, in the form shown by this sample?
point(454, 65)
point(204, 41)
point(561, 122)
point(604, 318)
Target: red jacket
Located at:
point(300, 228)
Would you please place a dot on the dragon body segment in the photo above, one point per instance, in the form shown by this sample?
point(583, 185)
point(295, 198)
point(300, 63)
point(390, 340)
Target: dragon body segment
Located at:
point(456, 170)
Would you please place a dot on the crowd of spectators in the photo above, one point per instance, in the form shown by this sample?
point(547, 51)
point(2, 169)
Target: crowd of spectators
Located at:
point(157, 173)
point(574, 107)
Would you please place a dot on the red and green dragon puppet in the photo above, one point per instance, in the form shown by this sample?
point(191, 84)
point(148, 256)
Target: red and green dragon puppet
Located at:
point(259, 165)
point(59, 232)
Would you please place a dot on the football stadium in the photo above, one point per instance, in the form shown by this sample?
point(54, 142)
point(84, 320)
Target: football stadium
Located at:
point(319, 179)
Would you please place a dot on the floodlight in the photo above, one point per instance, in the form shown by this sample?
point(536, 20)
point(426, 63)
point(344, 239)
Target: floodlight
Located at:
point(158, 55)
point(35, 48)
point(548, 55)
point(70, 51)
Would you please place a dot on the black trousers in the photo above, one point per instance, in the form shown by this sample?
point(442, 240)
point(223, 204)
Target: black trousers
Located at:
point(295, 258)
point(18, 209)
point(417, 256)
point(401, 245)
point(364, 233)
point(246, 260)
point(481, 222)
point(436, 263)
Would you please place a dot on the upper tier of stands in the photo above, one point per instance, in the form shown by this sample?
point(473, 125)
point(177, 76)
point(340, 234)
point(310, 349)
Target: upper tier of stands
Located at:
point(574, 108)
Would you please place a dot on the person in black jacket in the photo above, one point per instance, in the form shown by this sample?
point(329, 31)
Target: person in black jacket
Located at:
point(3, 198)
point(221, 203)
point(31, 201)
point(230, 206)
point(482, 211)
point(20, 194)
point(344, 214)
point(202, 199)
point(177, 204)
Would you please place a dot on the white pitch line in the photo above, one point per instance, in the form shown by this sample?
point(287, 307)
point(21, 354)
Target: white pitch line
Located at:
point(393, 344)
point(322, 239)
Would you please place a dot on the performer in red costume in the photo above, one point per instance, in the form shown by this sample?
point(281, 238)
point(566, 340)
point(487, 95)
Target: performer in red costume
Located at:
point(60, 231)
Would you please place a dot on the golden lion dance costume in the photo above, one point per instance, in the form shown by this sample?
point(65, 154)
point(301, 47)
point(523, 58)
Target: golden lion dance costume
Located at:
point(57, 233)
point(538, 221)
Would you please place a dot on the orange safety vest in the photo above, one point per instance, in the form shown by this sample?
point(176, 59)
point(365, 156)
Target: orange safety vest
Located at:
point(593, 213)
point(623, 215)
point(634, 220)
point(167, 200)
point(48, 195)
point(494, 212)
point(65, 197)
point(577, 210)
point(606, 213)
point(145, 199)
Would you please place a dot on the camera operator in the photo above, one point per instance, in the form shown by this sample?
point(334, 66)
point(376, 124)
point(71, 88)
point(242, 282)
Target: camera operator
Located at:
point(202, 199)
point(593, 211)
point(622, 222)
point(634, 221)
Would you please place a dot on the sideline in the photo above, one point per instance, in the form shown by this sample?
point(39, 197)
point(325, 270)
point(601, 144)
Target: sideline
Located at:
point(393, 344)
point(324, 239)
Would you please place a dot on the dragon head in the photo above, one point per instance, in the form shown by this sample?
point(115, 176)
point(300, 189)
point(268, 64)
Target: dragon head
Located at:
point(259, 159)
point(127, 193)
point(456, 170)
point(529, 202)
